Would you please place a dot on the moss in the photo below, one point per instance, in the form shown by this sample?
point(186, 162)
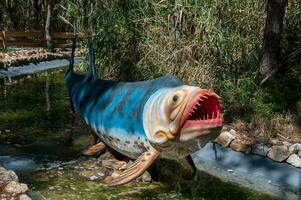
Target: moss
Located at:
point(17, 115)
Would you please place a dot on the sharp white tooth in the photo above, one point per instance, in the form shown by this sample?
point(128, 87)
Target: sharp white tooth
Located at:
point(207, 116)
point(205, 97)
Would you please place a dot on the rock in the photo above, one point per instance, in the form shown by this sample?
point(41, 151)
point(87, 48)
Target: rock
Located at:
point(286, 143)
point(87, 174)
point(16, 188)
point(24, 197)
point(8, 175)
point(260, 149)
point(116, 173)
point(101, 174)
point(274, 142)
point(40, 177)
point(294, 148)
point(299, 153)
point(108, 179)
point(238, 145)
point(233, 132)
point(294, 160)
point(146, 177)
point(93, 177)
point(114, 164)
point(225, 138)
point(278, 153)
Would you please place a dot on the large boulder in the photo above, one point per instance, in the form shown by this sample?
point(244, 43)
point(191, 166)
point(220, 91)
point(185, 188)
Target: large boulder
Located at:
point(241, 146)
point(260, 149)
point(225, 138)
point(8, 175)
point(279, 153)
point(15, 188)
point(294, 160)
point(294, 148)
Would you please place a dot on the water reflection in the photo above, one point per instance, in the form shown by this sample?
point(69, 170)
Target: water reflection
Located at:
point(35, 119)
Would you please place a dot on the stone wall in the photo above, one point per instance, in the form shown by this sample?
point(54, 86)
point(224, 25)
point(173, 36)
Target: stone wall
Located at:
point(10, 188)
point(284, 152)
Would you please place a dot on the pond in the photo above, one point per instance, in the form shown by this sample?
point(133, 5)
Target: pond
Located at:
point(41, 141)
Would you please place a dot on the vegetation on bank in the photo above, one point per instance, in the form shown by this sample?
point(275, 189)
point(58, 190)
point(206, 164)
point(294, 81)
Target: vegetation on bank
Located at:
point(206, 43)
point(214, 44)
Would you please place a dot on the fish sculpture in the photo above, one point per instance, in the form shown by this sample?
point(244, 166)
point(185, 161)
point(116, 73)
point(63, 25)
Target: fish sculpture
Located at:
point(146, 120)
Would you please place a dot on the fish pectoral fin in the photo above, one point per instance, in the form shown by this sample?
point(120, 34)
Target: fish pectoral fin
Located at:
point(135, 170)
point(94, 149)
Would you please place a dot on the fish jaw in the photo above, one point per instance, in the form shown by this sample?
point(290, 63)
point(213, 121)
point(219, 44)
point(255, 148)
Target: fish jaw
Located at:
point(202, 116)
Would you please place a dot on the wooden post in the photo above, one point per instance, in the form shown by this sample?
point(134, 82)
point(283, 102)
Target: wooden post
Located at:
point(48, 26)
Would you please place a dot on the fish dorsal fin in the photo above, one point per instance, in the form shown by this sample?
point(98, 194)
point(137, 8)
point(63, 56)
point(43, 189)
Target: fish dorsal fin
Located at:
point(71, 63)
point(135, 170)
point(92, 70)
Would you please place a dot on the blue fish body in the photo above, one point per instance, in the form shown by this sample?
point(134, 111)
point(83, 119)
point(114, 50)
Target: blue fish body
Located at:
point(115, 109)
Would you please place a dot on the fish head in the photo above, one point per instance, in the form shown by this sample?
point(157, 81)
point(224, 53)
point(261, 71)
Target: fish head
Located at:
point(181, 114)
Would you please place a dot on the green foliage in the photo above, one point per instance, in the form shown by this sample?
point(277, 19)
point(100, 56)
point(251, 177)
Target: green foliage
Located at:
point(5, 50)
point(206, 43)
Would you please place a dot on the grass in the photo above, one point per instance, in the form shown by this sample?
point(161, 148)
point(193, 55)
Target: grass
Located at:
point(5, 50)
point(207, 43)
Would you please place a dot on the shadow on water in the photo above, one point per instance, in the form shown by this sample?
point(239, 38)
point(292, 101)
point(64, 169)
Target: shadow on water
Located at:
point(38, 132)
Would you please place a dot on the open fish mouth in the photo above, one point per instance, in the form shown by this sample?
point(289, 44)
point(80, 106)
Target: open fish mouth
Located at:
point(201, 115)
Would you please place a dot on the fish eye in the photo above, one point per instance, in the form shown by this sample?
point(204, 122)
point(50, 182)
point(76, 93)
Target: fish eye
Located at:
point(175, 98)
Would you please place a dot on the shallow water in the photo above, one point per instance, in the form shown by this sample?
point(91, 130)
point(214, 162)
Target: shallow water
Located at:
point(41, 141)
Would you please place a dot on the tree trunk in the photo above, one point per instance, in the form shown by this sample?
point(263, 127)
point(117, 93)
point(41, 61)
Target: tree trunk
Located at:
point(36, 12)
point(48, 26)
point(272, 35)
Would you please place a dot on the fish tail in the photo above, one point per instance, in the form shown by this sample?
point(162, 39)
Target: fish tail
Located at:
point(92, 70)
point(71, 63)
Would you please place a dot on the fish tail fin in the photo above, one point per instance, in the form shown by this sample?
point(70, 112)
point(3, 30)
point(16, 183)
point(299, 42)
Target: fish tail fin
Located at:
point(71, 63)
point(92, 70)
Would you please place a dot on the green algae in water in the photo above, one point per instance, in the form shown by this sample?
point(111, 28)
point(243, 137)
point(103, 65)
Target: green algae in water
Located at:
point(35, 115)
point(35, 120)
point(65, 184)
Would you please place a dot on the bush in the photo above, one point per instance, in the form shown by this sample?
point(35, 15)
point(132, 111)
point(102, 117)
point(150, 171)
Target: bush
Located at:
point(206, 43)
